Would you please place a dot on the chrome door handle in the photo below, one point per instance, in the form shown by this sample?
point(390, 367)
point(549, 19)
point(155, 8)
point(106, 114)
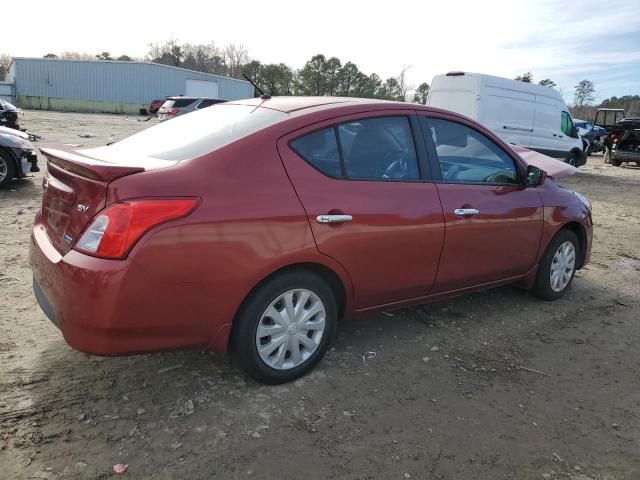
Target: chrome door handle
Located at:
point(462, 212)
point(334, 218)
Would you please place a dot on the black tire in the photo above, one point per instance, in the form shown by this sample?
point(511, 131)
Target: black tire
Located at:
point(573, 159)
point(8, 166)
point(542, 286)
point(615, 163)
point(243, 347)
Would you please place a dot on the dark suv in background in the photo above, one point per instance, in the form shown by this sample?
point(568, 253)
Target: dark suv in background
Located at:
point(175, 106)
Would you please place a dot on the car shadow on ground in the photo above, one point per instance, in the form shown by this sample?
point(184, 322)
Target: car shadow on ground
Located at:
point(172, 376)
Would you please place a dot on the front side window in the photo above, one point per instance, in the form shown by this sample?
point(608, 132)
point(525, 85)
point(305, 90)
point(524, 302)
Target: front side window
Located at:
point(467, 156)
point(566, 125)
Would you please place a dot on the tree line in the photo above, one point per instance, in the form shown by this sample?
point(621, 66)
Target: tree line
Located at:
point(318, 76)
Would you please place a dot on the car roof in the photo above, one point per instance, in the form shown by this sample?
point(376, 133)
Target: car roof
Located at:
point(291, 104)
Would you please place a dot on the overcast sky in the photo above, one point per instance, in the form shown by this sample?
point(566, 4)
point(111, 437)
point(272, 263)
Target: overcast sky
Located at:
point(564, 41)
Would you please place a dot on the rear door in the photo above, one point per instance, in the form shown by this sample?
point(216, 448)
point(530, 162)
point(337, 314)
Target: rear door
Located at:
point(363, 183)
point(493, 223)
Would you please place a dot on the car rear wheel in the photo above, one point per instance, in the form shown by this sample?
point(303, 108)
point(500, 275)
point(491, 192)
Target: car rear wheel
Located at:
point(557, 266)
point(284, 328)
point(7, 168)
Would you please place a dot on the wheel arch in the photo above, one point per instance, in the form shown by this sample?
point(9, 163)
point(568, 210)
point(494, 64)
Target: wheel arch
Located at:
point(581, 233)
point(330, 276)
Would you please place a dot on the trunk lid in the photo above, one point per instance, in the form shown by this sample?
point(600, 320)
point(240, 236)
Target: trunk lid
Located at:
point(75, 189)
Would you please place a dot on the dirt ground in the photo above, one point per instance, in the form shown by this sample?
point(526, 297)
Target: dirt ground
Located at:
point(446, 396)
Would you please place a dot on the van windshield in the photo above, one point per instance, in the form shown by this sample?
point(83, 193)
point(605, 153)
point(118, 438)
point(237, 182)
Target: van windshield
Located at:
point(191, 135)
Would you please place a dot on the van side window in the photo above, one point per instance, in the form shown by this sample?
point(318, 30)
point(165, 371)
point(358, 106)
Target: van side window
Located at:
point(467, 156)
point(566, 125)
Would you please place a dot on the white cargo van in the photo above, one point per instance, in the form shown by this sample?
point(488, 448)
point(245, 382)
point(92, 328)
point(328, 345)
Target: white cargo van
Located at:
point(525, 114)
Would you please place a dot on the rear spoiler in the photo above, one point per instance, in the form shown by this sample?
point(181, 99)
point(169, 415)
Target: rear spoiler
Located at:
point(74, 161)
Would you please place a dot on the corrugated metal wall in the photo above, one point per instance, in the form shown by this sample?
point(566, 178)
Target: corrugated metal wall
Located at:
point(115, 82)
point(6, 92)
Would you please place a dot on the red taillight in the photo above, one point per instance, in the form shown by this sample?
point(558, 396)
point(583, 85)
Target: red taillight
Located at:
point(172, 111)
point(115, 230)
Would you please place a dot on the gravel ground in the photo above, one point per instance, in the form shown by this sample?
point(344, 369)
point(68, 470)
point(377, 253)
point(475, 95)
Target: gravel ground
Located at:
point(494, 385)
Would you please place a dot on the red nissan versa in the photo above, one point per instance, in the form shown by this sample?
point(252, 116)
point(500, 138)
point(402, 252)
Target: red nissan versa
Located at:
point(256, 225)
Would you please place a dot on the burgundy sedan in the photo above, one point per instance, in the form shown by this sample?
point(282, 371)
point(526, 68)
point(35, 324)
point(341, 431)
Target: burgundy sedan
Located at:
point(255, 226)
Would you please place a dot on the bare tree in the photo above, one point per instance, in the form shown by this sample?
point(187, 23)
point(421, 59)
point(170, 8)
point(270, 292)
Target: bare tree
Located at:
point(403, 87)
point(584, 93)
point(235, 57)
point(5, 61)
point(76, 56)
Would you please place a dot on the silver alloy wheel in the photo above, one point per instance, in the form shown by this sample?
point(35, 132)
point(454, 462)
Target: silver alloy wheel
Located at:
point(562, 266)
point(4, 169)
point(290, 329)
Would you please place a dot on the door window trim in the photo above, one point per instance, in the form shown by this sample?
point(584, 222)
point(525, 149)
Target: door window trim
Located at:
point(416, 133)
point(434, 162)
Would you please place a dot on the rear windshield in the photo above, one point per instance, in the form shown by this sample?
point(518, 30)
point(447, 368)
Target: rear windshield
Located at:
point(4, 105)
point(192, 135)
point(179, 103)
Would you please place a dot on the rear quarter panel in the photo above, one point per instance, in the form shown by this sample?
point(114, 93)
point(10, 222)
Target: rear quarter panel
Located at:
point(194, 273)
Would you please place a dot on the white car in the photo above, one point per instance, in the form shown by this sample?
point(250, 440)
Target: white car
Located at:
point(524, 114)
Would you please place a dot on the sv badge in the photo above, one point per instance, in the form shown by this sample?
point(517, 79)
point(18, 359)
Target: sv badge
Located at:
point(82, 208)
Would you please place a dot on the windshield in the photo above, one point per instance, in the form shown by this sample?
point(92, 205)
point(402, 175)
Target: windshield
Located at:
point(191, 135)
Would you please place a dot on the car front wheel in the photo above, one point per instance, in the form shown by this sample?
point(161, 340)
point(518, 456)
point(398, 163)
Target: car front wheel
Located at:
point(557, 266)
point(7, 169)
point(284, 328)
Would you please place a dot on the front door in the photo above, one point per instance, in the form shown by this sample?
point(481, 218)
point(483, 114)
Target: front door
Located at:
point(363, 183)
point(493, 223)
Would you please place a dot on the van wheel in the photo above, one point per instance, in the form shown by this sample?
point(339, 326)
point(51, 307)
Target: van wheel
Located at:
point(7, 169)
point(573, 159)
point(615, 163)
point(557, 266)
point(284, 328)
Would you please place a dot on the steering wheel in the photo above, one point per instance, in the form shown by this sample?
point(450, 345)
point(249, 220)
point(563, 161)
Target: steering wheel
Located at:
point(397, 164)
point(501, 176)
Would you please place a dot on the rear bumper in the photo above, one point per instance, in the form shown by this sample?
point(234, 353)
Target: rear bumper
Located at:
point(625, 156)
point(109, 307)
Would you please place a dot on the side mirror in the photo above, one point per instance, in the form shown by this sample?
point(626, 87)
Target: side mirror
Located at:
point(535, 176)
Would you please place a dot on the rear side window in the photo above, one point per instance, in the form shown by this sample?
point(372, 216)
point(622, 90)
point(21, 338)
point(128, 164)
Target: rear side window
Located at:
point(178, 103)
point(320, 149)
point(370, 149)
point(208, 103)
point(467, 156)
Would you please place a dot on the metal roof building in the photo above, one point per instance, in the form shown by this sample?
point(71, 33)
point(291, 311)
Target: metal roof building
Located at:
point(111, 86)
